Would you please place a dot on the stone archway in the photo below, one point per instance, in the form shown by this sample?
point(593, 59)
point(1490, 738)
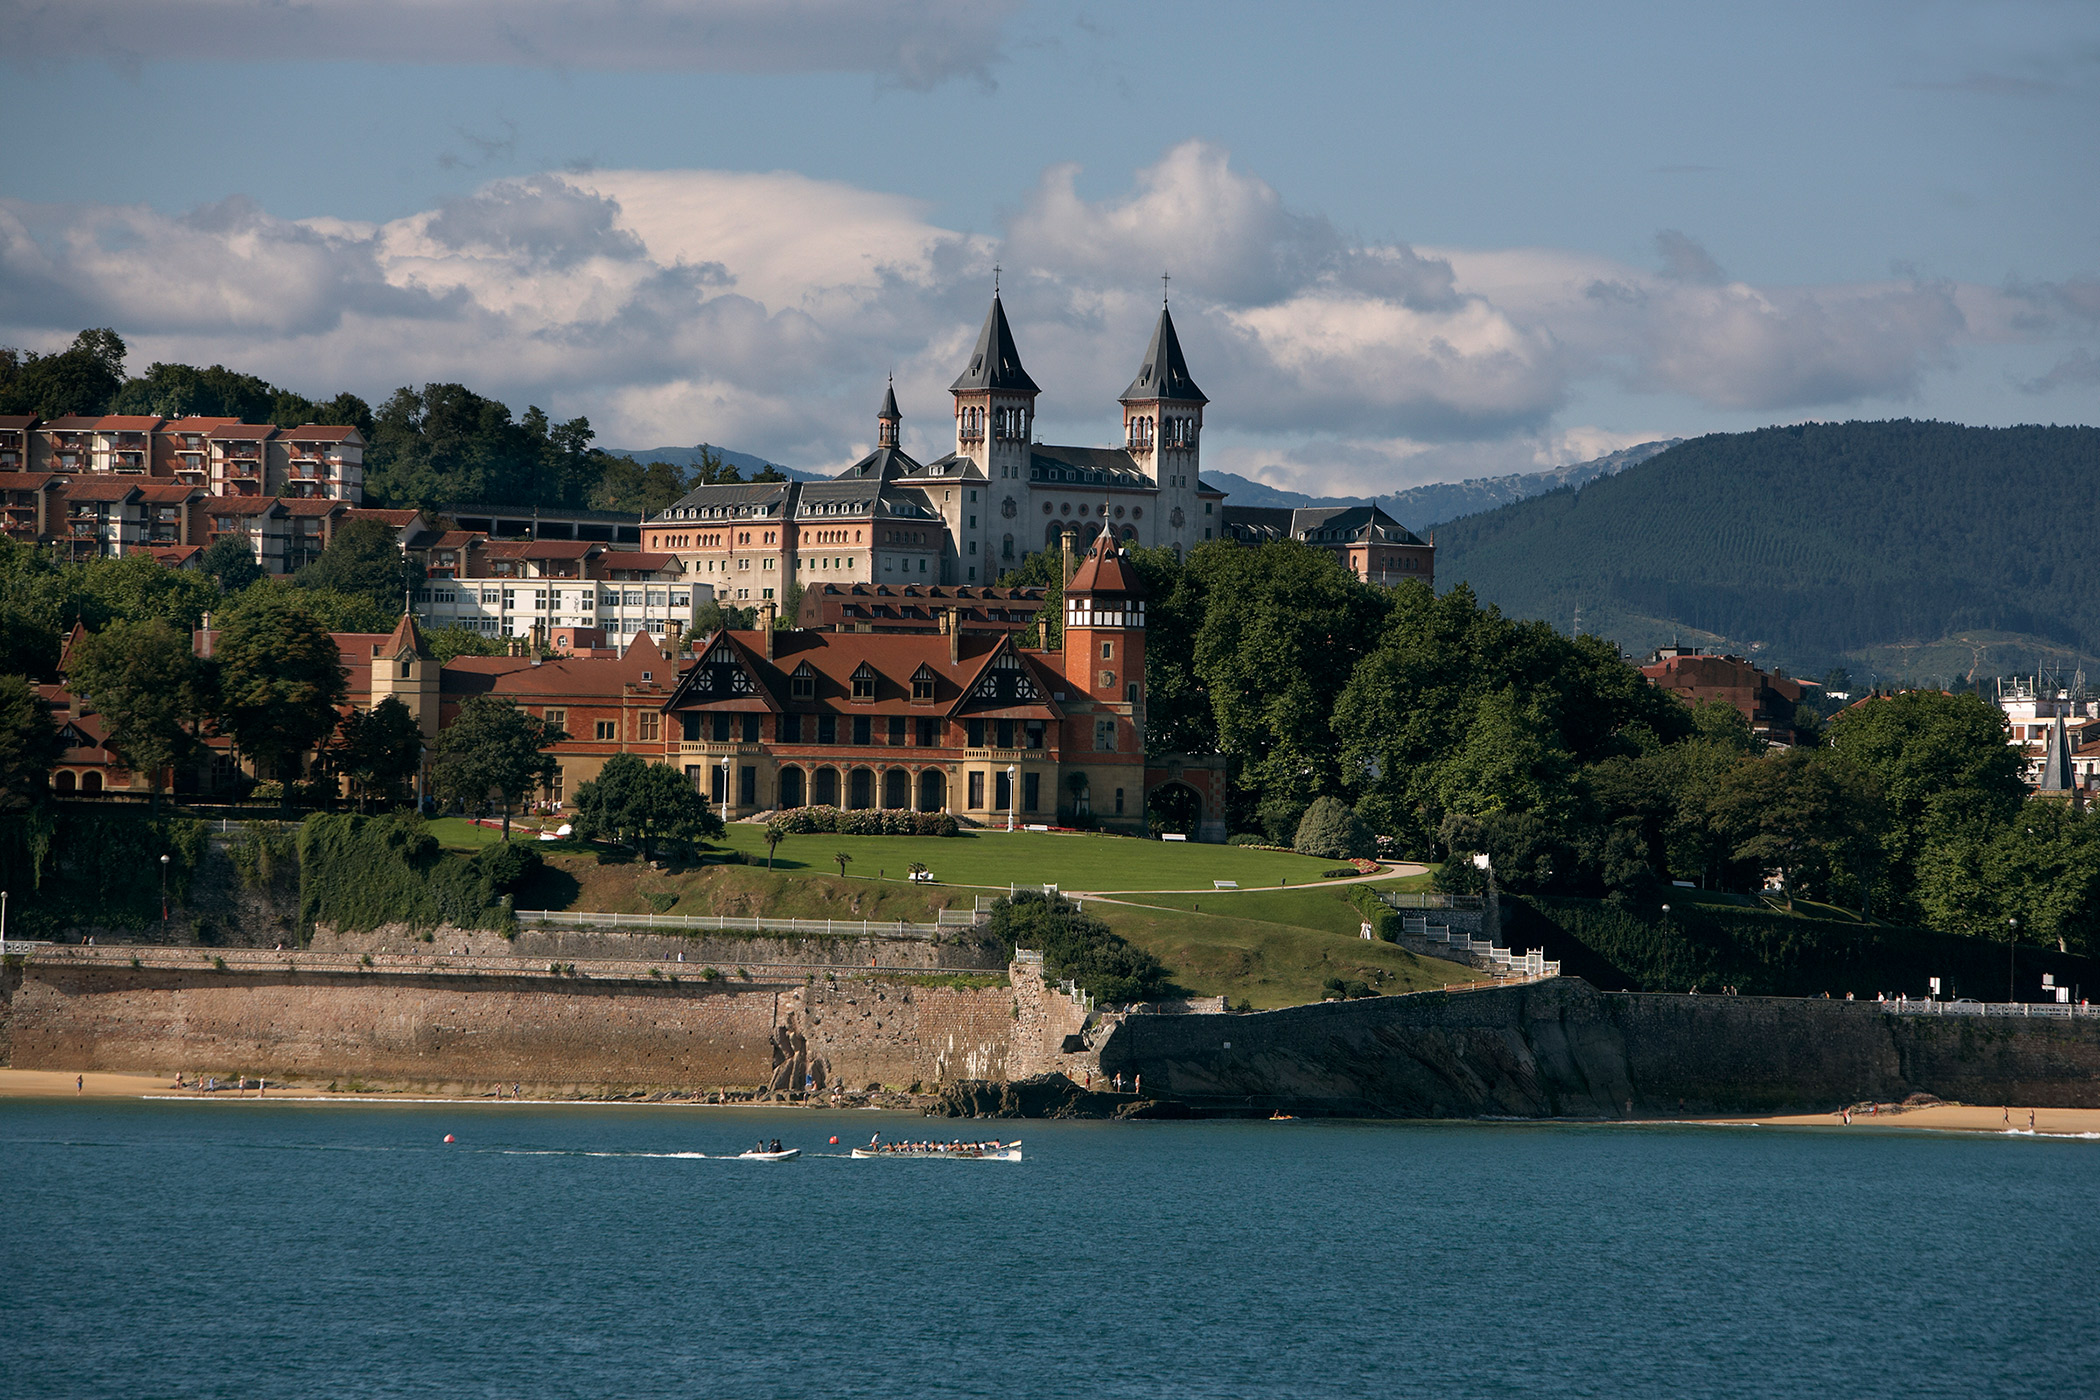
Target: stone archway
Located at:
point(91, 783)
point(62, 782)
point(860, 789)
point(1174, 806)
point(792, 787)
point(824, 791)
point(896, 789)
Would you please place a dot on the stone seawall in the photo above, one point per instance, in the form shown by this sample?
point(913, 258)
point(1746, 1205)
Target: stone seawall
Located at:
point(1561, 1048)
point(465, 1028)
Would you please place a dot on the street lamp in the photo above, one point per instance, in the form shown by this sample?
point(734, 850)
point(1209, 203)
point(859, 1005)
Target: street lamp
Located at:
point(164, 888)
point(725, 787)
point(1013, 797)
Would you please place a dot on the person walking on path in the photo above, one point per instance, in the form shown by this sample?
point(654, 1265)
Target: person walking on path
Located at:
point(79, 1083)
point(1137, 1085)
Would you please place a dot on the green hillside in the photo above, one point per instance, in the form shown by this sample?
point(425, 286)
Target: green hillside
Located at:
point(1915, 550)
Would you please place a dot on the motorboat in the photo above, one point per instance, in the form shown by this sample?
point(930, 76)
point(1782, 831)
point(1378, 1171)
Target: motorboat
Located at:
point(945, 1151)
point(786, 1154)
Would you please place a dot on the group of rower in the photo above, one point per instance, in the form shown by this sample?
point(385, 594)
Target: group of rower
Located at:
point(957, 1146)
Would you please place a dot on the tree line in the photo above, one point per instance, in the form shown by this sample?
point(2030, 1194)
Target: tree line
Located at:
point(1435, 725)
point(427, 446)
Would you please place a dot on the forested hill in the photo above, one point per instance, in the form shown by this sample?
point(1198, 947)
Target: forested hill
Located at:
point(1917, 550)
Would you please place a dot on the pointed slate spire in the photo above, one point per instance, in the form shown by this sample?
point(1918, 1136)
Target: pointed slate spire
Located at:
point(996, 362)
point(887, 418)
point(2056, 766)
point(1164, 374)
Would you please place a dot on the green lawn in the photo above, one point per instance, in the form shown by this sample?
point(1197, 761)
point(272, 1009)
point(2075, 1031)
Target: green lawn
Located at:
point(1327, 910)
point(459, 834)
point(1076, 862)
point(1271, 964)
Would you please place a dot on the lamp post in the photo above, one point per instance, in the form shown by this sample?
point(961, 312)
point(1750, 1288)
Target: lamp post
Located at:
point(1013, 797)
point(725, 787)
point(164, 888)
point(3, 923)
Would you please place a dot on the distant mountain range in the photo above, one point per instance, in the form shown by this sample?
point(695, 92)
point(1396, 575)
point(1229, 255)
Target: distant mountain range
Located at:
point(1419, 507)
point(1906, 552)
point(689, 457)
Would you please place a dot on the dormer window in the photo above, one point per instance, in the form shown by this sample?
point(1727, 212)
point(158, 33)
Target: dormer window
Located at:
point(864, 682)
point(803, 684)
point(922, 683)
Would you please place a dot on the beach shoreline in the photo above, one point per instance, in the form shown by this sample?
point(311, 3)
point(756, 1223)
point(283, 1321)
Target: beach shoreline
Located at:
point(1941, 1117)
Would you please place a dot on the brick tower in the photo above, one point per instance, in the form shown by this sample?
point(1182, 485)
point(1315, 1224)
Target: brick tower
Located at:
point(1104, 663)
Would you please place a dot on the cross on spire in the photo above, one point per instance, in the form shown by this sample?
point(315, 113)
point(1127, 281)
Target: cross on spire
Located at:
point(1162, 289)
point(995, 279)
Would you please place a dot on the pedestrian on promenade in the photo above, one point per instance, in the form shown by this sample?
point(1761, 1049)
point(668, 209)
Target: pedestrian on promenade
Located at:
point(2008, 1115)
point(1137, 1085)
point(2030, 1120)
point(79, 1083)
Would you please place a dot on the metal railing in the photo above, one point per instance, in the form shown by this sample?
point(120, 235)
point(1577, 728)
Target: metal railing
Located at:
point(1414, 899)
point(945, 920)
point(1506, 963)
point(1988, 1008)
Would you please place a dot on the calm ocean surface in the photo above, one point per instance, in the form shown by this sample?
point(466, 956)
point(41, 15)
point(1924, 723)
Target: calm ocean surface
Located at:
point(240, 1249)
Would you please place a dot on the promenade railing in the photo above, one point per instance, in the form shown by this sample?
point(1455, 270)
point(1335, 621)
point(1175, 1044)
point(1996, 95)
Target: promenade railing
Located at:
point(946, 921)
point(1423, 899)
point(1529, 964)
point(1923, 1007)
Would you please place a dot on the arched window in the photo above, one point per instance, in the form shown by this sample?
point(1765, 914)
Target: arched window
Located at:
point(825, 791)
point(1006, 549)
point(791, 787)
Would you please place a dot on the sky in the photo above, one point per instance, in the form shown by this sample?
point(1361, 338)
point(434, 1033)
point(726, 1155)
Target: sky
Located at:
point(1406, 243)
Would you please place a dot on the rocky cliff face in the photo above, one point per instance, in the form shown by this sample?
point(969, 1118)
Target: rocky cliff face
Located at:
point(1563, 1049)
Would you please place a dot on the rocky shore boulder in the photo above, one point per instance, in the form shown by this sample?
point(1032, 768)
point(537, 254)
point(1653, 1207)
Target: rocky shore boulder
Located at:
point(1044, 1096)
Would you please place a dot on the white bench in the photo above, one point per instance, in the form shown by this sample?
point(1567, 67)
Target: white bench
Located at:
point(1225, 884)
point(1173, 836)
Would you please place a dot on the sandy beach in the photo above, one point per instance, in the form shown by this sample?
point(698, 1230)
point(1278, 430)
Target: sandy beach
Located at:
point(1950, 1117)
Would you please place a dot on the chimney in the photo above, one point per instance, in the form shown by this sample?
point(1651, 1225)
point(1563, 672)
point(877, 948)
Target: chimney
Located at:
point(949, 625)
point(1064, 545)
point(765, 625)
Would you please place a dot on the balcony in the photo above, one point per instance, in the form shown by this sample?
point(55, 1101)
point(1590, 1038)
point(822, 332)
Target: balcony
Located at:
point(708, 748)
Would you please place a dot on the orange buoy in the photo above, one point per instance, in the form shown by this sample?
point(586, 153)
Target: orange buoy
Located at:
point(448, 1137)
point(834, 1142)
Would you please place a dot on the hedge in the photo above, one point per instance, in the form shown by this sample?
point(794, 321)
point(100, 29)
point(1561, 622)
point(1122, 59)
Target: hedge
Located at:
point(868, 821)
point(357, 873)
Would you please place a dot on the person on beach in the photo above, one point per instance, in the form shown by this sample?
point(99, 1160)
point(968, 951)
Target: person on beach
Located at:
point(79, 1083)
point(2008, 1115)
point(2030, 1120)
point(1137, 1084)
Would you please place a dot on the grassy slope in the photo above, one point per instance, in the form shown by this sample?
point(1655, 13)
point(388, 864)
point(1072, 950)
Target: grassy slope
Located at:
point(1076, 862)
point(579, 882)
point(1270, 964)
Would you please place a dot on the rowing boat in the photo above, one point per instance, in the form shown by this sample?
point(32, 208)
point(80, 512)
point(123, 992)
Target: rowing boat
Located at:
point(787, 1155)
point(941, 1152)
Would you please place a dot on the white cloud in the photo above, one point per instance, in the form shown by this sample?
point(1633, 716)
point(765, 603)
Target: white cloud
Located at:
point(763, 310)
point(917, 43)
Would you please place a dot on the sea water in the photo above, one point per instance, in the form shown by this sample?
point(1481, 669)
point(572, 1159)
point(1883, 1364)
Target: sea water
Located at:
point(249, 1249)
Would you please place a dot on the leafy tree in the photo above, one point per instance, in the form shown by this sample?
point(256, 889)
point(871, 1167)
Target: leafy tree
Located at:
point(344, 612)
point(1798, 809)
point(625, 484)
point(83, 378)
point(493, 748)
point(444, 643)
point(180, 391)
point(146, 681)
point(29, 744)
point(280, 680)
point(843, 861)
point(711, 470)
point(638, 802)
point(1331, 830)
point(364, 561)
point(378, 750)
point(230, 563)
point(1946, 771)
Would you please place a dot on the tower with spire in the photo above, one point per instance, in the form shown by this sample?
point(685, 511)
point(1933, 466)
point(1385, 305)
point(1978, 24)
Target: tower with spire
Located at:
point(995, 402)
point(1163, 427)
point(888, 419)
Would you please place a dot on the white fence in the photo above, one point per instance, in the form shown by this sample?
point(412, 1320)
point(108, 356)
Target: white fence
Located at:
point(947, 920)
point(1414, 899)
point(1501, 960)
point(1988, 1008)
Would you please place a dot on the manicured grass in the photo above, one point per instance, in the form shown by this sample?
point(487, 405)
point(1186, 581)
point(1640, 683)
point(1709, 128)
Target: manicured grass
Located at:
point(1077, 862)
point(1325, 909)
point(459, 834)
point(578, 882)
point(1269, 964)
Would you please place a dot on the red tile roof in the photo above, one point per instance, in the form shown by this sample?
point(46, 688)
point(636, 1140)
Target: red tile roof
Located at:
point(1107, 569)
point(312, 505)
point(315, 432)
point(895, 657)
point(70, 423)
point(100, 489)
point(129, 423)
point(243, 432)
point(17, 420)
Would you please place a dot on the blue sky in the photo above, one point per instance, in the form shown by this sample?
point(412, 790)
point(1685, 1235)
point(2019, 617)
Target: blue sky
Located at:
point(1409, 242)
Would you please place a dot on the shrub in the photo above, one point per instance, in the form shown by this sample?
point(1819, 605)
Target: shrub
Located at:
point(1248, 838)
point(1330, 829)
point(1075, 946)
point(360, 872)
point(868, 821)
point(1340, 872)
point(1347, 989)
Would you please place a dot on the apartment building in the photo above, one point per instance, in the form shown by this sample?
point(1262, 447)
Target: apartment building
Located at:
point(1369, 543)
point(224, 455)
point(533, 588)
